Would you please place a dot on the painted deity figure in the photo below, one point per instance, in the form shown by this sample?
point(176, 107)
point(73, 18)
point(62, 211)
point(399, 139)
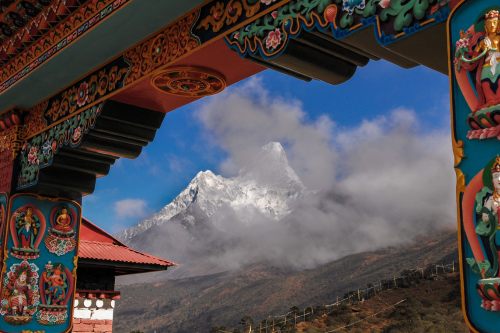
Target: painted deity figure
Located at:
point(55, 284)
point(63, 221)
point(55, 288)
point(27, 226)
point(491, 208)
point(477, 72)
point(487, 209)
point(18, 301)
point(489, 48)
point(61, 237)
point(481, 222)
point(483, 50)
point(20, 296)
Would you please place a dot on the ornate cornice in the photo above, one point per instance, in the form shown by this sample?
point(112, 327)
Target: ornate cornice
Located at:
point(218, 17)
point(164, 48)
point(391, 20)
point(76, 97)
point(53, 29)
point(39, 151)
point(179, 39)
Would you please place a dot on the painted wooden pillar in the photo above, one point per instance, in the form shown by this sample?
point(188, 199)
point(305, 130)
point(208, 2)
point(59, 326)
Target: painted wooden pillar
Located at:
point(40, 256)
point(38, 243)
point(474, 57)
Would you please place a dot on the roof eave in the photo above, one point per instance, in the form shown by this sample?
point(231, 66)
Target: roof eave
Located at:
point(123, 268)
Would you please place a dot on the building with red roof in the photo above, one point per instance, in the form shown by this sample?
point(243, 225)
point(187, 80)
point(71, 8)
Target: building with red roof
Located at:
point(101, 258)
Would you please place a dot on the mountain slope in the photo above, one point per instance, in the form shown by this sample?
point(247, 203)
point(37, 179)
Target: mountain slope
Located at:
point(429, 306)
point(267, 185)
point(195, 304)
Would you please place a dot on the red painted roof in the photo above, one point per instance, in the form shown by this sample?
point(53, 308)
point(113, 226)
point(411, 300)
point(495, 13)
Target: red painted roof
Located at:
point(97, 244)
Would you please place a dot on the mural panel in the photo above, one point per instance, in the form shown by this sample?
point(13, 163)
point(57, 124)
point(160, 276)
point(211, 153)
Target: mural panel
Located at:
point(474, 35)
point(39, 276)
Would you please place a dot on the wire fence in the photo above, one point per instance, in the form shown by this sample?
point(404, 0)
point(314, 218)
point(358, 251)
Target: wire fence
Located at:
point(287, 322)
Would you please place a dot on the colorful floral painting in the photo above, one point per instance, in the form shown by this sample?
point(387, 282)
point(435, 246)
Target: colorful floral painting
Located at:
point(39, 151)
point(268, 36)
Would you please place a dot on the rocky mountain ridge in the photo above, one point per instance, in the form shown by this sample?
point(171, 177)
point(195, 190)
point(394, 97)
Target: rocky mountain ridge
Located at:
point(268, 185)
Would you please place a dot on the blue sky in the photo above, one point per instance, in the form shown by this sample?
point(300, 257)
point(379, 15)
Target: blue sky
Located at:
point(182, 147)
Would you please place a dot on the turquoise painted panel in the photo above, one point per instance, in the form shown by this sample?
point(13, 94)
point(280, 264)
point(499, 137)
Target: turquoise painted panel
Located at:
point(39, 276)
point(474, 33)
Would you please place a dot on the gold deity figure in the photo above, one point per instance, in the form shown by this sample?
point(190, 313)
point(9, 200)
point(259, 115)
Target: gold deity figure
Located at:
point(486, 58)
point(63, 221)
point(489, 48)
point(492, 39)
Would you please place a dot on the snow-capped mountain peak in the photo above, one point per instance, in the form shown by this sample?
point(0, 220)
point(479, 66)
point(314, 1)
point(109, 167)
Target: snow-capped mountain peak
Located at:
point(267, 185)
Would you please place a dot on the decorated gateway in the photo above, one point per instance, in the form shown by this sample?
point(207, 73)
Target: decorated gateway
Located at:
point(86, 82)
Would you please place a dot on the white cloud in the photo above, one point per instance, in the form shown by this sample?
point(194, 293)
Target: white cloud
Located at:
point(380, 183)
point(246, 118)
point(131, 208)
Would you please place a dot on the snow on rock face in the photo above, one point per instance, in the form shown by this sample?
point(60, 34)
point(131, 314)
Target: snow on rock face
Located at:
point(268, 185)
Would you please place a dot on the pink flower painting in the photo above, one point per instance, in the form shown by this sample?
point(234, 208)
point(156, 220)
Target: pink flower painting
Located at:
point(33, 155)
point(77, 134)
point(384, 3)
point(273, 39)
point(82, 94)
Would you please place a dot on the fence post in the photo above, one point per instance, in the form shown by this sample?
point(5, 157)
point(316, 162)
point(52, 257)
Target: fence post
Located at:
point(395, 283)
point(453, 266)
point(359, 296)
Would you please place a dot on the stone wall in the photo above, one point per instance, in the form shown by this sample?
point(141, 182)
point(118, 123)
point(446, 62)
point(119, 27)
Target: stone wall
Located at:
point(92, 326)
point(93, 315)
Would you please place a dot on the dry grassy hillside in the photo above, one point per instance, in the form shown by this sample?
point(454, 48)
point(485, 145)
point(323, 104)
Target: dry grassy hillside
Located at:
point(430, 306)
point(199, 303)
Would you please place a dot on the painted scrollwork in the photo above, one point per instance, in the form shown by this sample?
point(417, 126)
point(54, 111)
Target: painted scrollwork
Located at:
point(39, 150)
point(222, 14)
point(86, 91)
point(392, 19)
point(165, 47)
point(34, 121)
